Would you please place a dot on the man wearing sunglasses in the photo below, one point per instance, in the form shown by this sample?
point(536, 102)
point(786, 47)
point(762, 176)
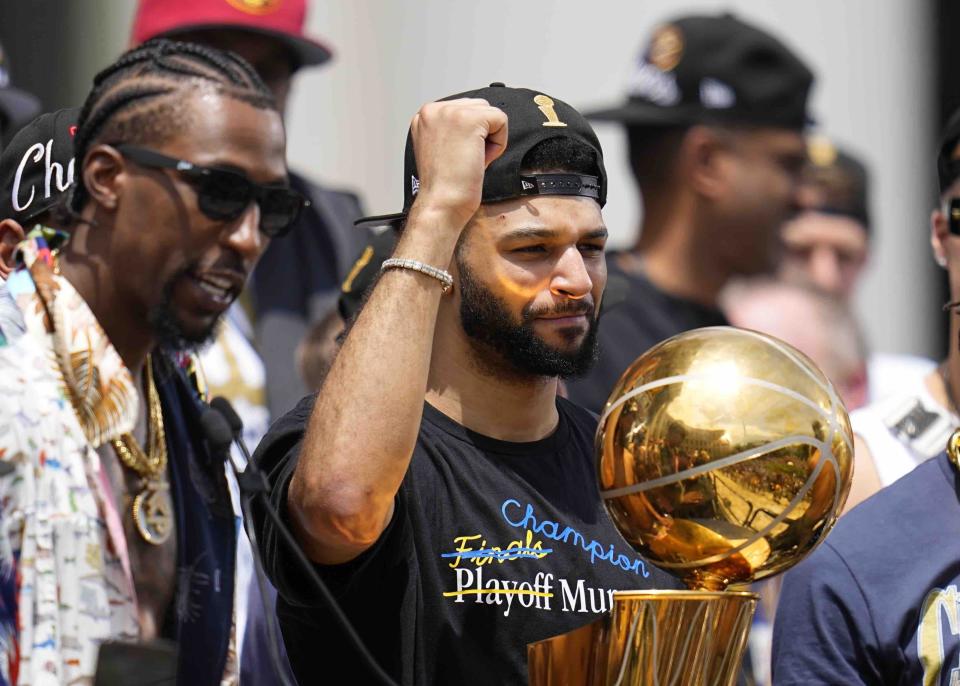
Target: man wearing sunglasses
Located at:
point(117, 519)
point(297, 281)
point(877, 602)
point(897, 433)
point(226, 194)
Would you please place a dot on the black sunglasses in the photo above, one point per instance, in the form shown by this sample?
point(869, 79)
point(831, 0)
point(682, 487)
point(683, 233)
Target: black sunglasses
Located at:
point(953, 215)
point(224, 195)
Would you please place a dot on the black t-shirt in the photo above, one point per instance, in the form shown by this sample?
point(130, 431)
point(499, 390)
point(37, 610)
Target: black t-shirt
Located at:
point(493, 545)
point(646, 317)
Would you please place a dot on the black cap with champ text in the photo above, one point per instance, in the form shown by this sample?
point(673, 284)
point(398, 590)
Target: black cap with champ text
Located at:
point(36, 168)
point(705, 69)
point(532, 117)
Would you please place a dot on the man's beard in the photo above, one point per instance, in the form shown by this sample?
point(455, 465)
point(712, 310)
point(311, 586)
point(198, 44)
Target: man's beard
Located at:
point(169, 333)
point(487, 320)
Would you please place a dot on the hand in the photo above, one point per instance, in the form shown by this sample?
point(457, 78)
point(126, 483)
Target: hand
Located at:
point(454, 141)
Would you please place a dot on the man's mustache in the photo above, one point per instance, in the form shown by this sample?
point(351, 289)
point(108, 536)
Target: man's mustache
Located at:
point(569, 308)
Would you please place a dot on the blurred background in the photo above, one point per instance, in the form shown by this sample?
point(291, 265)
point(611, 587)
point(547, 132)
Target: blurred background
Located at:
point(882, 90)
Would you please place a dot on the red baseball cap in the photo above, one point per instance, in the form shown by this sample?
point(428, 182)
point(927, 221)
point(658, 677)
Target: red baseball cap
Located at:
point(280, 19)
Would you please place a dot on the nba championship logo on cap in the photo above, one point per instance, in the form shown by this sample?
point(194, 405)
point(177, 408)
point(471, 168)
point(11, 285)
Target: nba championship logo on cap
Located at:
point(821, 151)
point(666, 48)
point(653, 80)
point(546, 105)
point(255, 6)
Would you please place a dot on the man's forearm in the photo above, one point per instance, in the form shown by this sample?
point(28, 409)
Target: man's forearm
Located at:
point(364, 426)
point(366, 420)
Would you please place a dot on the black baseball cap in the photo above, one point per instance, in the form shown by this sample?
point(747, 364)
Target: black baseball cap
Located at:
point(37, 168)
point(948, 168)
point(533, 117)
point(364, 273)
point(16, 106)
point(839, 181)
point(714, 69)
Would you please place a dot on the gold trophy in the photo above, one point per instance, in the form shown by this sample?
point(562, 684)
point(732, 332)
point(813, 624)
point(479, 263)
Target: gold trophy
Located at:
point(725, 457)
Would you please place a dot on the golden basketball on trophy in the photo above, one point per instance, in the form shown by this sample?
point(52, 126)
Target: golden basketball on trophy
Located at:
point(724, 456)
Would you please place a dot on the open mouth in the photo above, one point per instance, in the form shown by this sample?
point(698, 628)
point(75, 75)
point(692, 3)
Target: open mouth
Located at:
point(220, 289)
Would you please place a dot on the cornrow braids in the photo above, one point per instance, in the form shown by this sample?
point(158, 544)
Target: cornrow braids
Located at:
point(136, 99)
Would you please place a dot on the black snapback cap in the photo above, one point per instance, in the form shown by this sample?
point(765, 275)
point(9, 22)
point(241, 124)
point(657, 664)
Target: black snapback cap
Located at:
point(839, 181)
point(532, 117)
point(714, 69)
point(37, 168)
point(364, 273)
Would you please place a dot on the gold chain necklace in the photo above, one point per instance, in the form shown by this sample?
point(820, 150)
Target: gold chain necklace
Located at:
point(152, 507)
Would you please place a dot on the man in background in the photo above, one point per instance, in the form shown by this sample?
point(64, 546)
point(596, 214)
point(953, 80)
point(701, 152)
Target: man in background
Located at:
point(715, 115)
point(17, 107)
point(36, 170)
point(828, 245)
point(815, 322)
point(297, 279)
point(120, 525)
point(316, 352)
point(881, 592)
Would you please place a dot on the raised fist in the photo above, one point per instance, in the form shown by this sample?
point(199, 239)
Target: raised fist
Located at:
point(454, 141)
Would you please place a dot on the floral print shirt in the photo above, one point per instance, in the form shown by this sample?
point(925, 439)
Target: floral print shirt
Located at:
point(65, 579)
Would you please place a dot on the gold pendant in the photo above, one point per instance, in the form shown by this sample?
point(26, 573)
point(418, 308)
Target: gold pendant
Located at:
point(153, 512)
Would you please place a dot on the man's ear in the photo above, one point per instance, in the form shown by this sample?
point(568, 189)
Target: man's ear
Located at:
point(11, 233)
point(703, 162)
point(103, 176)
point(939, 231)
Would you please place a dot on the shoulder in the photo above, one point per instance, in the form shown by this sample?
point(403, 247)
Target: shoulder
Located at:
point(323, 193)
point(25, 366)
point(871, 548)
point(35, 416)
point(870, 531)
point(283, 439)
point(903, 429)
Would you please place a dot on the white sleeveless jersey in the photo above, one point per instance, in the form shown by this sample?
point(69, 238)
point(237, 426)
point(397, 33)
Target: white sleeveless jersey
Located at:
point(903, 430)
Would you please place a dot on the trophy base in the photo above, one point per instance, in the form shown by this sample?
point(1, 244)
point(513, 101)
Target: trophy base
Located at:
point(651, 638)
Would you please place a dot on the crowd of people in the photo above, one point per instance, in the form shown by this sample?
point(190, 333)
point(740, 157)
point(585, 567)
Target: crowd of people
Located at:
point(421, 389)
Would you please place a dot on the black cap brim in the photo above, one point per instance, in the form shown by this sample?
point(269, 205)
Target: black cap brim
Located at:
point(638, 114)
point(641, 114)
point(391, 221)
point(18, 107)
